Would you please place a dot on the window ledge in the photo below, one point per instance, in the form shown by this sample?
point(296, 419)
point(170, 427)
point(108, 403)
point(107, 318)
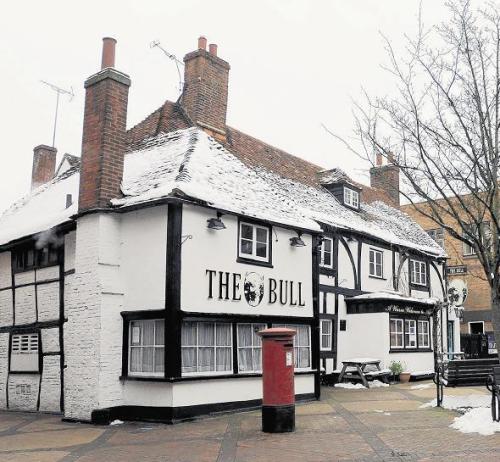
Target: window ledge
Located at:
point(249, 261)
point(410, 350)
point(380, 278)
point(190, 378)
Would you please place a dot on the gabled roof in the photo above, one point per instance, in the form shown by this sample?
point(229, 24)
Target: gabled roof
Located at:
point(190, 164)
point(251, 151)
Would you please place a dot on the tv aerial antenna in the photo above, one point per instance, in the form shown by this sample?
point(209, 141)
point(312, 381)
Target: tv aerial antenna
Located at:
point(177, 61)
point(59, 91)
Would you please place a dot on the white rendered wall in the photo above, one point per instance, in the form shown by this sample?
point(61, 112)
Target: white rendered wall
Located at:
point(217, 250)
point(144, 240)
point(372, 284)
point(345, 267)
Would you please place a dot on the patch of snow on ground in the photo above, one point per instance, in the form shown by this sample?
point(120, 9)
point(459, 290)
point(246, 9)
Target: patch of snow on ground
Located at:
point(350, 386)
point(378, 384)
point(461, 402)
point(116, 422)
point(477, 420)
point(421, 386)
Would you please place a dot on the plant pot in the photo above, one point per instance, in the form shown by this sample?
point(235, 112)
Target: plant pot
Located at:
point(404, 377)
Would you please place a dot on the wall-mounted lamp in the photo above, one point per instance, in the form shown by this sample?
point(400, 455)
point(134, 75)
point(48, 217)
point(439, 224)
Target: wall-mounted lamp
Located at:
point(216, 223)
point(297, 241)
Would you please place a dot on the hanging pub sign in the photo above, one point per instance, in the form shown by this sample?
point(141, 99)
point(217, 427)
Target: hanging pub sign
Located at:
point(453, 270)
point(252, 288)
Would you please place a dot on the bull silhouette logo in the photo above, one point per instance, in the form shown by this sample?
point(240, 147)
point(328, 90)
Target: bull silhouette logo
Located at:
point(253, 288)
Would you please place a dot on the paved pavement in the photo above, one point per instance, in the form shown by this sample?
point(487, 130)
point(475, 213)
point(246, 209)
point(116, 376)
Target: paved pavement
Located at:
point(382, 424)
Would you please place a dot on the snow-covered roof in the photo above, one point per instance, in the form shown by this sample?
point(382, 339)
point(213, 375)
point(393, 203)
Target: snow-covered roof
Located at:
point(334, 175)
point(395, 296)
point(189, 163)
point(42, 209)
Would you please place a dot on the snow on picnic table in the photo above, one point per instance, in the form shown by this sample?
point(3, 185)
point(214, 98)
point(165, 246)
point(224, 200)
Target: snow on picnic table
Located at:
point(360, 386)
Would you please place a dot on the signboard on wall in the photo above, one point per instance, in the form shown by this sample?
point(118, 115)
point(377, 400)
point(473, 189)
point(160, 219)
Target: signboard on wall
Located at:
point(458, 269)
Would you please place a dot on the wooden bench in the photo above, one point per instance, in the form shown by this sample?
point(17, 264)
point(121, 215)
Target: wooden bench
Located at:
point(493, 385)
point(466, 372)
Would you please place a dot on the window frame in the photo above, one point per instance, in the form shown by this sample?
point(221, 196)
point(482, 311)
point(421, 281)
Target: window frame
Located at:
point(328, 335)
point(373, 251)
point(37, 260)
point(230, 370)
point(433, 234)
point(422, 264)
point(155, 346)
point(418, 335)
point(252, 347)
point(351, 197)
point(296, 347)
point(253, 258)
point(322, 253)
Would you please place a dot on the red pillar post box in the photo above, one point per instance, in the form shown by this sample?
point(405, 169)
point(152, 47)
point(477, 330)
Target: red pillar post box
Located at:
point(278, 403)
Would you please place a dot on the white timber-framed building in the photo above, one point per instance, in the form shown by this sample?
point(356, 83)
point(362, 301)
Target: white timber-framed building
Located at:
point(133, 280)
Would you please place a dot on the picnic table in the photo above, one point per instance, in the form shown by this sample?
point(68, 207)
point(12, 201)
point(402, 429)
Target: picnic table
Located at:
point(357, 370)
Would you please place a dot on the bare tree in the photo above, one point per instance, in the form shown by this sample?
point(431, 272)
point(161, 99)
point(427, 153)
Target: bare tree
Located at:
point(441, 128)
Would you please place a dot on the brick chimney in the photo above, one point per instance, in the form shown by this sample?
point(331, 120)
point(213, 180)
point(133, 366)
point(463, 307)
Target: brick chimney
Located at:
point(386, 178)
point(44, 165)
point(204, 96)
point(104, 132)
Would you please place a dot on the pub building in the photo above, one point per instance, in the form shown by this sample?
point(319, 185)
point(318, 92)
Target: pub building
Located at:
point(134, 280)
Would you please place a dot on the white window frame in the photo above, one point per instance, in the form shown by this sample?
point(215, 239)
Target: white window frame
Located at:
point(253, 255)
point(372, 263)
point(351, 197)
point(323, 252)
point(424, 335)
point(215, 347)
point(325, 335)
point(154, 346)
point(253, 347)
point(419, 277)
point(296, 347)
point(437, 235)
point(410, 333)
point(400, 332)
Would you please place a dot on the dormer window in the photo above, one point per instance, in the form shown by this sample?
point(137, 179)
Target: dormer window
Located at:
point(346, 191)
point(351, 197)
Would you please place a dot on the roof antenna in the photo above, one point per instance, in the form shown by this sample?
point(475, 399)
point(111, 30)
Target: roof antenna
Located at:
point(59, 91)
point(156, 44)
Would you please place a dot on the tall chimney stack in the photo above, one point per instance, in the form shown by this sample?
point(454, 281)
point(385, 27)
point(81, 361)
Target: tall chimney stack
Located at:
point(386, 178)
point(44, 165)
point(204, 97)
point(104, 132)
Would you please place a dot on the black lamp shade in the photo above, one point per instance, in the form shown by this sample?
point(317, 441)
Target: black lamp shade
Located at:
point(215, 223)
point(297, 242)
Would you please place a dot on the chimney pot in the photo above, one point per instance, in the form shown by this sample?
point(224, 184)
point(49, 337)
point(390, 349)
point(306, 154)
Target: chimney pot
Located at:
point(378, 159)
point(390, 158)
point(212, 48)
point(202, 43)
point(108, 52)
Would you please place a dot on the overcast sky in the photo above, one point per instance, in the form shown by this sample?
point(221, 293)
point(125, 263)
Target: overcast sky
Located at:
point(294, 65)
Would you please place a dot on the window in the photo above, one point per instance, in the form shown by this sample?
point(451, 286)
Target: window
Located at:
point(424, 339)
point(24, 353)
point(472, 229)
point(325, 328)
point(206, 348)
point(418, 272)
point(147, 347)
point(29, 257)
point(254, 242)
point(396, 333)
point(376, 263)
point(351, 197)
point(476, 327)
point(301, 345)
point(249, 347)
point(326, 253)
point(410, 333)
point(437, 235)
